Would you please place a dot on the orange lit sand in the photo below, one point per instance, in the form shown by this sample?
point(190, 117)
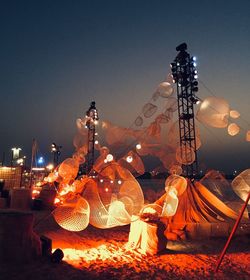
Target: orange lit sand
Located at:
point(101, 254)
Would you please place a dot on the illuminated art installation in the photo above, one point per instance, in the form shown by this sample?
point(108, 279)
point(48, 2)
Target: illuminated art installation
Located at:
point(241, 184)
point(233, 129)
point(73, 215)
point(114, 197)
point(214, 112)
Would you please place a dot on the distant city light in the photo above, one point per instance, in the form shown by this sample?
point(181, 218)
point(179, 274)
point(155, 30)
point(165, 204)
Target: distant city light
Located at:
point(15, 152)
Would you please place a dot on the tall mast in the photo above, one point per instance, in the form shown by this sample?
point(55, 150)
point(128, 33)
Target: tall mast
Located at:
point(185, 76)
point(91, 122)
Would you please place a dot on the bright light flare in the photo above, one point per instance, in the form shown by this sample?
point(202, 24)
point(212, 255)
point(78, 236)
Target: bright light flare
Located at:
point(138, 146)
point(109, 158)
point(129, 159)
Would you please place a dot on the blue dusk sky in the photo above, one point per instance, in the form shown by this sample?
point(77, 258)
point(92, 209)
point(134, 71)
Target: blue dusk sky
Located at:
point(58, 56)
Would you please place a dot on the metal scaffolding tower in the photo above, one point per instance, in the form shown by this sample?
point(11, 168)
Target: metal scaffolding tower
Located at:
point(185, 76)
point(91, 122)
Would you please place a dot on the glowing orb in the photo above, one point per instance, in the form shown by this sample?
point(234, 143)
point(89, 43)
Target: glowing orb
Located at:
point(177, 182)
point(129, 159)
point(214, 112)
point(109, 158)
point(233, 129)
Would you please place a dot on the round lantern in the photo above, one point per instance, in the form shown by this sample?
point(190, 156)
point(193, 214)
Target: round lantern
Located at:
point(214, 112)
point(233, 129)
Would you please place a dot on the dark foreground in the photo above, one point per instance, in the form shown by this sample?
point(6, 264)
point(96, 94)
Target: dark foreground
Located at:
point(102, 254)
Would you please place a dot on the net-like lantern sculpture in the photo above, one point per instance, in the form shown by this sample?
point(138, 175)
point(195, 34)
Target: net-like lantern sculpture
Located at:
point(175, 186)
point(241, 184)
point(113, 197)
point(248, 136)
point(185, 155)
point(214, 112)
point(233, 129)
point(73, 215)
point(234, 114)
point(165, 89)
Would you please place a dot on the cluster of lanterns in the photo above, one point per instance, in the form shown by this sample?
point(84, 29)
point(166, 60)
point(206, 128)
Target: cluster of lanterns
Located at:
point(112, 195)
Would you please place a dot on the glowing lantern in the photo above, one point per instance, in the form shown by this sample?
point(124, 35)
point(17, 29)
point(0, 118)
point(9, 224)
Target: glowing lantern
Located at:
point(148, 110)
point(129, 159)
point(175, 169)
point(241, 184)
point(132, 162)
point(102, 159)
point(68, 169)
point(109, 158)
point(73, 215)
point(214, 112)
point(117, 213)
point(185, 155)
point(170, 203)
point(177, 182)
point(173, 137)
point(151, 212)
point(165, 89)
point(234, 114)
point(138, 146)
point(233, 129)
point(113, 204)
point(248, 136)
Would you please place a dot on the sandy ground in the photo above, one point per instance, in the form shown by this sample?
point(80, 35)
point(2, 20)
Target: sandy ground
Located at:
point(102, 254)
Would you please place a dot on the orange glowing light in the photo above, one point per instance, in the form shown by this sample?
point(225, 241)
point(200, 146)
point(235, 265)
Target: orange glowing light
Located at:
point(107, 253)
point(57, 200)
point(106, 189)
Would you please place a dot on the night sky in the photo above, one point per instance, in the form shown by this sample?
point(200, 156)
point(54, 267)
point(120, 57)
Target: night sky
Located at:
point(58, 56)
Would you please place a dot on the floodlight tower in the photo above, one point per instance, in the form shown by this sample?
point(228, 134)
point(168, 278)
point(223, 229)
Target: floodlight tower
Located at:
point(91, 122)
point(56, 151)
point(185, 76)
